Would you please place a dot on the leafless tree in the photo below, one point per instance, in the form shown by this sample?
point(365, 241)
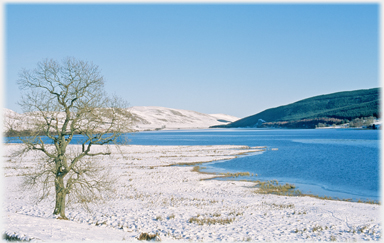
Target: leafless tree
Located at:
point(61, 100)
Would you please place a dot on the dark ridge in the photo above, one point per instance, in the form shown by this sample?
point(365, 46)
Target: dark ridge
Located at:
point(341, 105)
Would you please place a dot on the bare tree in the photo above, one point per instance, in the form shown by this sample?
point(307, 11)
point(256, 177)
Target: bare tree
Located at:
point(62, 99)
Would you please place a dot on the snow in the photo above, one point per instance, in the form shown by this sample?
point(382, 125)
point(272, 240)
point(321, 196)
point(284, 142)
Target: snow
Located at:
point(36, 228)
point(224, 117)
point(144, 118)
point(155, 117)
point(153, 197)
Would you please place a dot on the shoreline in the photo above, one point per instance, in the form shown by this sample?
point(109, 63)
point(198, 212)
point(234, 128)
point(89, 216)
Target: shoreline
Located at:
point(232, 177)
point(178, 129)
point(175, 203)
point(228, 175)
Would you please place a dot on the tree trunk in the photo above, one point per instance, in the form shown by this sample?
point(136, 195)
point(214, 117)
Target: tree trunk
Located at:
point(60, 197)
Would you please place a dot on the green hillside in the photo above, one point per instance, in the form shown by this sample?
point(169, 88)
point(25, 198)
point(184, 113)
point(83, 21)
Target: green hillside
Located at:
point(341, 105)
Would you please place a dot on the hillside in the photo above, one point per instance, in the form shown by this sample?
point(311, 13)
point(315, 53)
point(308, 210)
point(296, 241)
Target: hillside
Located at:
point(154, 117)
point(144, 118)
point(340, 105)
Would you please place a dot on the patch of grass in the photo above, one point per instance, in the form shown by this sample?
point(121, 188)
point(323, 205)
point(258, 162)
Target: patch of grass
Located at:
point(344, 199)
point(369, 201)
point(225, 175)
point(279, 206)
point(159, 218)
point(148, 237)
point(362, 229)
point(236, 213)
point(303, 212)
point(236, 174)
point(97, 223)
point(209, 220)
point(7, 237)
point(172, 216)
point(273, 187)
point(317, 228)
point(196, 168)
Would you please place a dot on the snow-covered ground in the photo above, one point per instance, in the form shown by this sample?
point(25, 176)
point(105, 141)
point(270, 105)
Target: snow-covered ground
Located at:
point(153, 197)
point(144, 118)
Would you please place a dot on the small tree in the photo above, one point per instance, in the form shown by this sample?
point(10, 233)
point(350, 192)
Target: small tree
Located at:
point(321, 124)
point(357, 122)
point(61, 100)
point(369, 120)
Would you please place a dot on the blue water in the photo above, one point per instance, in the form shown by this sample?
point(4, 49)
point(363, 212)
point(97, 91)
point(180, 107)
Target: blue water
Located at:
point(334, 162)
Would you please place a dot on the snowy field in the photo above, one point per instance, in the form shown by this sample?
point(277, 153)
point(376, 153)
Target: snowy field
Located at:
point(175, 203)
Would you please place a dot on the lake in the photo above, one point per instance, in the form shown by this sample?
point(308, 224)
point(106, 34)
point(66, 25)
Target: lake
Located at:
point(340, 163)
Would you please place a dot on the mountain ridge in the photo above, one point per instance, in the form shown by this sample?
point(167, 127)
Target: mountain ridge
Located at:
point(340, 105)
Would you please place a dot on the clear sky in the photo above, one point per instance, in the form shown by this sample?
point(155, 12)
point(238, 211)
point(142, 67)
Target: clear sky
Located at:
point(236, 59)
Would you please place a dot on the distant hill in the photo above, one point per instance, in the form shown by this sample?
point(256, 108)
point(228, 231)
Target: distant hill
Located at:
point(340, 105)
point(143, 118)
point(155, 117)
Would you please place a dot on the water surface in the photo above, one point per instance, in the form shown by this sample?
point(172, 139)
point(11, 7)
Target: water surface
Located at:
point(334, 162)
point(341, 163)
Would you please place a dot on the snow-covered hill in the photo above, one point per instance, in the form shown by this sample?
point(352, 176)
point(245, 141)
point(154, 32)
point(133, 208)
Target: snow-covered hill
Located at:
point(146, 118)
point(154, 117)
point(15, 120)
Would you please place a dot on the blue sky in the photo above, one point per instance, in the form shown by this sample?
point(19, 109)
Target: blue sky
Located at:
point(237, 59)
